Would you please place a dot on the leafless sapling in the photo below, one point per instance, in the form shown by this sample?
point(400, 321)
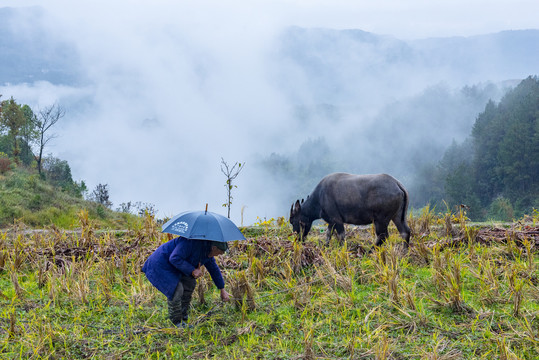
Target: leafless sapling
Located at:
point(231, 172)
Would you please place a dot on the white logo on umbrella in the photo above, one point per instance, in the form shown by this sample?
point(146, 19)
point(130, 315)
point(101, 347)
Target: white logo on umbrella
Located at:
point(180, 227)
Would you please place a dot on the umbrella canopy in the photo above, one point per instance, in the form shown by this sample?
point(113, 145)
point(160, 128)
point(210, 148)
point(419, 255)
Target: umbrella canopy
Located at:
point(203, 225)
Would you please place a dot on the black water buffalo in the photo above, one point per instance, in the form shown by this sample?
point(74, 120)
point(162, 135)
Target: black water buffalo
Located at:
point(342, 198)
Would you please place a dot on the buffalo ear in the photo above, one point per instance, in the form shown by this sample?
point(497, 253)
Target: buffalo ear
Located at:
point(302, 200)
point(297, 207)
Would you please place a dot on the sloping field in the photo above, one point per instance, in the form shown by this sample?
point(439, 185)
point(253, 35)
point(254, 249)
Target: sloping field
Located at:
point(462, 291)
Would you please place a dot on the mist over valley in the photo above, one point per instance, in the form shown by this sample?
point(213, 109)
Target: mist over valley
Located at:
point(151, 108)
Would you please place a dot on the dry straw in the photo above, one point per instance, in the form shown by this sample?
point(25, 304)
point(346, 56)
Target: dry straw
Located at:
point(242, 291)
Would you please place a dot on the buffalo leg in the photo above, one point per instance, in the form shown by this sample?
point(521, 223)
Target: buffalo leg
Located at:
point(381, 232)
point(404, 230)
point(338, 229)
point(329, 233)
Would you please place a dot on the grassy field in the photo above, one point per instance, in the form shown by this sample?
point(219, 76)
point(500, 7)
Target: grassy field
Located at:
point(462, 292)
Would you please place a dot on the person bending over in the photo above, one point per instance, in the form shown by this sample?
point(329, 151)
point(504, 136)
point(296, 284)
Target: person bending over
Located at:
point(174, 267)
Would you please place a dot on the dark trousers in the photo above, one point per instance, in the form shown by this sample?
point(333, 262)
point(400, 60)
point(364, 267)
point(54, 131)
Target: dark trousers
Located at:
point(178, 307)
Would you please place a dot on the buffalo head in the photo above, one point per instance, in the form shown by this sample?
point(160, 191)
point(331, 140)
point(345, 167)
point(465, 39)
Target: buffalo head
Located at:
point(301, 224)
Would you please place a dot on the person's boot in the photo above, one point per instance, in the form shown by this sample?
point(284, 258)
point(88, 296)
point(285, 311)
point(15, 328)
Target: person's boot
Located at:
point(183, 325)
point(184, 318)
point(185, 312)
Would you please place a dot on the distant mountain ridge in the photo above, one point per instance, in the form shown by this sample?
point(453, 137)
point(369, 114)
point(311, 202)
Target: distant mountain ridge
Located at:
point(333, 61)
point(508, 52)
point(29, 53)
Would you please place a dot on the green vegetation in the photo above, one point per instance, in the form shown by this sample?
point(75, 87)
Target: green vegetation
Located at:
point(27, 198)
point(40, 191)
point(462, 292)
point(495, 172)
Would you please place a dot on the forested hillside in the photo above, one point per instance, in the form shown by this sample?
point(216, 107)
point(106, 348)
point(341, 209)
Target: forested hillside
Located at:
point(39, 190)
point(495, 170)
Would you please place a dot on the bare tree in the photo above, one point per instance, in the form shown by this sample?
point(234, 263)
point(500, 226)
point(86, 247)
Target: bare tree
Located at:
point(231, 173)
point(46, 119)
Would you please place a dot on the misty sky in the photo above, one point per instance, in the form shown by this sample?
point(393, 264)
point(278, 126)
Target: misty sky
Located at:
point(173, 86)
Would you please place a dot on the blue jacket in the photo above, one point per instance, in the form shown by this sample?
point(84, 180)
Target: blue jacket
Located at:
point(179, 257)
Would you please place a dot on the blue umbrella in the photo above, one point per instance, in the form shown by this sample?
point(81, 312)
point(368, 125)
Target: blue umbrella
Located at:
point(203, 225)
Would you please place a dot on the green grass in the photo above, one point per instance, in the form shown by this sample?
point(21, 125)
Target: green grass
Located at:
point(66, 296)
point(28, 199)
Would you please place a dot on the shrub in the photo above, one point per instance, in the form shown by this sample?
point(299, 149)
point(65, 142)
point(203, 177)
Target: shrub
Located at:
point(35, 202)
point(101, 211)
point(65, 219)
point(501, 209)
point(8, 214)
point(5, 163)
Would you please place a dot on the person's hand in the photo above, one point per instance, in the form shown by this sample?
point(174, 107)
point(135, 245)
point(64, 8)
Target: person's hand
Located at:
point(197, 272)
point(224, 295)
